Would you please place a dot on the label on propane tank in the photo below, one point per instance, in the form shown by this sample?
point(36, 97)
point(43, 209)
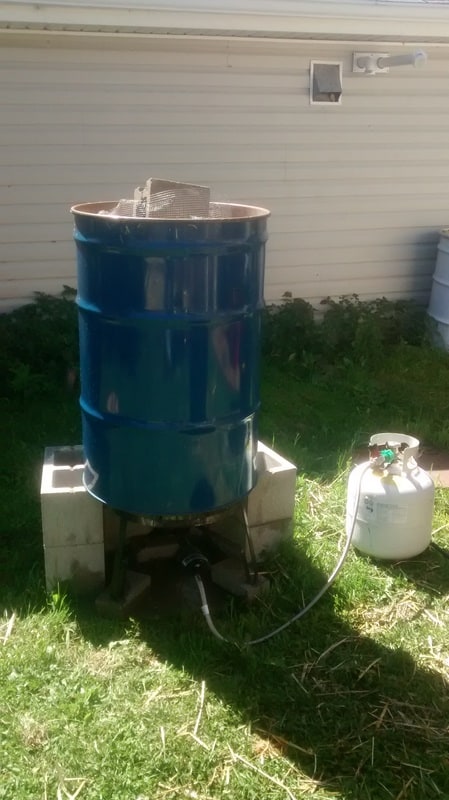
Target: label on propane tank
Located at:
point(385, 513)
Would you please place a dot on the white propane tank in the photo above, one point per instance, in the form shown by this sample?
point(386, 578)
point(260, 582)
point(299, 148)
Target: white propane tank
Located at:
point(392, 500)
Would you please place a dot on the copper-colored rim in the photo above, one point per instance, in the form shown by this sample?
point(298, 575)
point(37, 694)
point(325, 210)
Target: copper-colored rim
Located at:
point(239, 212)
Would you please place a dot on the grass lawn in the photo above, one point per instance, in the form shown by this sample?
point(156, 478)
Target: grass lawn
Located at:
point(351, 702)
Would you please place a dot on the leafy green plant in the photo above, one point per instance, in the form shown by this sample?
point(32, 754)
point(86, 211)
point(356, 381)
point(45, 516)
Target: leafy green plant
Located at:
point(342, 332)
point(39, 344)
point(24, 382)
point(362, 330)
point(289, 330)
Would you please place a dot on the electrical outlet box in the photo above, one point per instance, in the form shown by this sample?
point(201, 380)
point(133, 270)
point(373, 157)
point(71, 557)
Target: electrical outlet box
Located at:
point(325, 82)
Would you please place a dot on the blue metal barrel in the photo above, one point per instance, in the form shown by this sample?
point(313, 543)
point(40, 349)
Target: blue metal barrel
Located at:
point(169, 324)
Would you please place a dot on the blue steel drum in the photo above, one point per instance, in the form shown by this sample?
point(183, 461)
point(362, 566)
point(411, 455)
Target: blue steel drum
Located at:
point(169, 326)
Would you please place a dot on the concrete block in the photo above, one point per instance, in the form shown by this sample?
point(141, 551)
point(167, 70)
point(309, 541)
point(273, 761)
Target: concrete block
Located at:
point(72, 522)
point(79, 566)
point(273, 497)
point(228, 536)
point(267, 537)
point(137, 587)
point(230, 575)
point(270, 508)
point(158, 548)
point(70, 515)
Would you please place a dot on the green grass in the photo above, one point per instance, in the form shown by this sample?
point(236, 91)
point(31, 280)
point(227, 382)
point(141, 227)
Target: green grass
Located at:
point(352, 702)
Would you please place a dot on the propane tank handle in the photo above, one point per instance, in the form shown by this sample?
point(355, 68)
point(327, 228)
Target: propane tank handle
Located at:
point(409, 453)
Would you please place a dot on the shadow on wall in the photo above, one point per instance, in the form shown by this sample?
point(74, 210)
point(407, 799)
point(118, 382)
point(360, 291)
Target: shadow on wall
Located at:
point(359, 719)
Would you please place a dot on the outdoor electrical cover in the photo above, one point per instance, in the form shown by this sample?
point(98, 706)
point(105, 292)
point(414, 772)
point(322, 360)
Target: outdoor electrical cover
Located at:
point(325, 82)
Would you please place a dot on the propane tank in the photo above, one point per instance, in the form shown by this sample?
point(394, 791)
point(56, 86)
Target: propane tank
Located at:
point(392, 500)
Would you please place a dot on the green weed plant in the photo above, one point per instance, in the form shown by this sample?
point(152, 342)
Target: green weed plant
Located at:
point(343, 331)
point(39, 345)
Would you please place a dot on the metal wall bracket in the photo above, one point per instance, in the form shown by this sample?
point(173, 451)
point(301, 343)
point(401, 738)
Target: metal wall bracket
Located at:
point(368, 63)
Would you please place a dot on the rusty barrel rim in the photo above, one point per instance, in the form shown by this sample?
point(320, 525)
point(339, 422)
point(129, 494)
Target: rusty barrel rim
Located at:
point(237, 211)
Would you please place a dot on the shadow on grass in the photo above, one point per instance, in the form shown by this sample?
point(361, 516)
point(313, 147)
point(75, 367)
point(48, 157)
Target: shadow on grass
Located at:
point(357, 718)
point(362, 720)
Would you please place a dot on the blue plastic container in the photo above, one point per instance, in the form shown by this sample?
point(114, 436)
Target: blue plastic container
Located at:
point(169, 322)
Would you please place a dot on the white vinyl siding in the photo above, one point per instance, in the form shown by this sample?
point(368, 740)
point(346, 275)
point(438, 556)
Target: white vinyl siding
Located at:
point(318, 19)
point(358, 192)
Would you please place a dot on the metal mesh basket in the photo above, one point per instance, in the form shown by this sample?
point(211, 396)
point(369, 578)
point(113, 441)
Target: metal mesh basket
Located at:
point(168, 200)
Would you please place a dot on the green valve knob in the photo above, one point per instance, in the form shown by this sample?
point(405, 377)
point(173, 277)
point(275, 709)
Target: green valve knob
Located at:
point(388, 455)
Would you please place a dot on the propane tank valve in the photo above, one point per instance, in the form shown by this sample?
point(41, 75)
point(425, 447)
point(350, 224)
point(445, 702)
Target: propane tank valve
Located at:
point(381, 457)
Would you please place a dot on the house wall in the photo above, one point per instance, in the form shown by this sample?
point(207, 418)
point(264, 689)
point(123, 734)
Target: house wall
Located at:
point(401, 20)
point(358, 192)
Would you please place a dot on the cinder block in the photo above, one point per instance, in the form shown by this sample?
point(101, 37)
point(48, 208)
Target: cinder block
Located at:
point(80, 566)
point(270, 509)
point(72, 522)
point(137, 588)
point(230, 576)
point(267, 537)
point(70, 515)
point(273, 497)
point(161, 548)
point(228, 536)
